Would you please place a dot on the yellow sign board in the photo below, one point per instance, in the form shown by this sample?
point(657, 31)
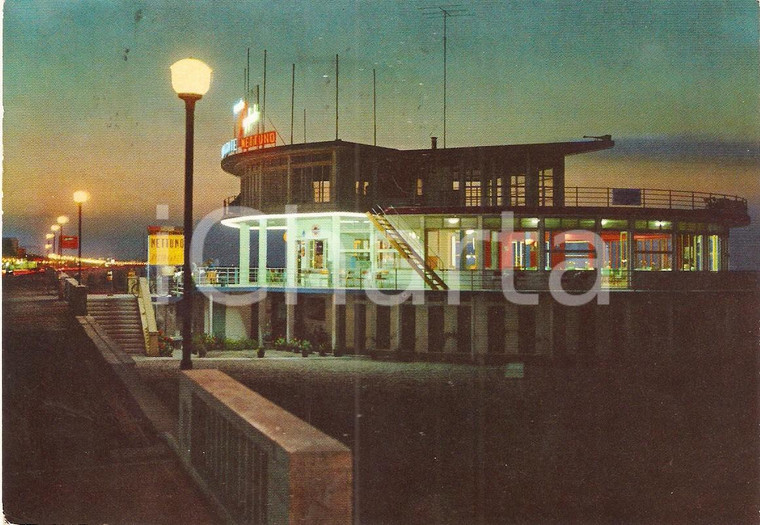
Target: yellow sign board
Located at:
point(166, 246)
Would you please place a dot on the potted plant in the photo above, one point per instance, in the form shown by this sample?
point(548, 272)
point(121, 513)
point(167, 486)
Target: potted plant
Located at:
point(305, 347)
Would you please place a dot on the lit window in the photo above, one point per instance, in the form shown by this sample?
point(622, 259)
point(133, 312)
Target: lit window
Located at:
point(419, 187)
point(321, 190)
point(472, 193)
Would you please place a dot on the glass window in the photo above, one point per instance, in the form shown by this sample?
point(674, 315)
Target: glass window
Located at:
point(546, 187)
point(690, 252)
point(531, 222)
point(519, 250)
point(713, 253)
point(321, 190)
point(472, 192)
point(614, 224)
point(517, 190)
point(575, 250)
point(653, 251)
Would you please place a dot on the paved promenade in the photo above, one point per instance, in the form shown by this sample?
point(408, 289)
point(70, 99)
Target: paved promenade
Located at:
point(75, 448)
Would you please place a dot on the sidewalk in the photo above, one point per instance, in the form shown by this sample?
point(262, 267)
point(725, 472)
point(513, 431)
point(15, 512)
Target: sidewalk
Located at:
point(75, 447)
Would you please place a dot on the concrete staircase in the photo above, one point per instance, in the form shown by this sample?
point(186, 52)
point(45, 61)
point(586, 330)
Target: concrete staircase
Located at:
point(119, 316)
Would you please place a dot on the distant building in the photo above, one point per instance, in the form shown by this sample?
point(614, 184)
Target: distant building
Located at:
point(11, 247)
point(357, 218)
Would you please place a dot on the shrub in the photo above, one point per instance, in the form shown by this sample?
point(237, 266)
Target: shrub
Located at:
point(244, 343)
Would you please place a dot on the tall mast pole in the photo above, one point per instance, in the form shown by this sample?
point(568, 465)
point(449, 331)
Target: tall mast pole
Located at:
point(292, 102)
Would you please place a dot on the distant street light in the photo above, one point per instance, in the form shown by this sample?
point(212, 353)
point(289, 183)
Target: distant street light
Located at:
point(80, 197)
point(55, 228)
point(62, 219)
point(191, 79)
point(50, 237)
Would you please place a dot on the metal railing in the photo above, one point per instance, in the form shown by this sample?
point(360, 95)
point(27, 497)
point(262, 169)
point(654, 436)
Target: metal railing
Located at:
point(578, 196)
point(471, 280)
point(656, 198)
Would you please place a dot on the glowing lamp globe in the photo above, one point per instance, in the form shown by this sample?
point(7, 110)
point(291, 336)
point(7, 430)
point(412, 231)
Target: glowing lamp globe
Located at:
point(50, 235)
point(55, 227)
point(81, 196)
point(190, 77)
point(62, 219)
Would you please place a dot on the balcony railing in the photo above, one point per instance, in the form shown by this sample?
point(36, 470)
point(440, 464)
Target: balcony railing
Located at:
point(471, 280)
point(654, 198)
point(575, 196)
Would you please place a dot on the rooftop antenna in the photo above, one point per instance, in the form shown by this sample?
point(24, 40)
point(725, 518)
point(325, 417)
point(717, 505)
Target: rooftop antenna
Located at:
point(336, 97)
point(292, 101)
point(264, 101)
point(446, 12)
point(374, 104)
point(248, 76)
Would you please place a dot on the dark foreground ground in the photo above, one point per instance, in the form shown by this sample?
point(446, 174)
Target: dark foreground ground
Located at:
point(74, 448)
point(651, 438)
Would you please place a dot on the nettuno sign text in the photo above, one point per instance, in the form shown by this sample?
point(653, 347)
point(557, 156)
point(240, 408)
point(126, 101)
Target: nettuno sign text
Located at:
point(258, 140)
point(166, 246)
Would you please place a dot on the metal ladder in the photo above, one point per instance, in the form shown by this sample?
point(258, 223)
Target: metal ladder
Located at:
point(378, 217)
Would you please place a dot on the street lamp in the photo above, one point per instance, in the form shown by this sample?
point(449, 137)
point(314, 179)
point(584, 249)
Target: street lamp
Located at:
point(190, 79)
point(80, 197)
point(62, 219)
point(50, 239)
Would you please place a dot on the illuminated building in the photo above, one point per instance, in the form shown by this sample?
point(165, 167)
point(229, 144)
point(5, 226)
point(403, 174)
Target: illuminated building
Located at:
point(359, 220)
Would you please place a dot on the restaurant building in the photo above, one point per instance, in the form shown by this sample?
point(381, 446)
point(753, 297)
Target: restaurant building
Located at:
point(448, 254)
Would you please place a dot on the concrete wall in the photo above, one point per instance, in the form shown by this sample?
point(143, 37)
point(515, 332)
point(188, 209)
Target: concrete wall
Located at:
point(549, 330)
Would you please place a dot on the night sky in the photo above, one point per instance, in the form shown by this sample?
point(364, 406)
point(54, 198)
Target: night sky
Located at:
point(89, 105)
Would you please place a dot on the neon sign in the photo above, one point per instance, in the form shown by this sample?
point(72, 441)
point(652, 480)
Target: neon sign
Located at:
point(259, 140)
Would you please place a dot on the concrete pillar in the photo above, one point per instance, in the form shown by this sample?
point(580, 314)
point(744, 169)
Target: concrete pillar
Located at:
point(245, 254)
point(450, 328)
point(421, 331)
point(263, 321)
point(350, 320)
point(479, 327)
point(510, 328)
point(359, 312)
point(262, 273)
point(395, 328)
point(544, 324)
point(290, 321)
point(338, 326)
point(371, 327)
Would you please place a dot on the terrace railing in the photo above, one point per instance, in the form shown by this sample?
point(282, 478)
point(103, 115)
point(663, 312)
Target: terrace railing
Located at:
point(656, 198)
point(577, 196)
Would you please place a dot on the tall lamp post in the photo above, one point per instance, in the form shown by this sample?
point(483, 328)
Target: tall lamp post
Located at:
point(80, 197)
point(62, 219)
point(190, 79)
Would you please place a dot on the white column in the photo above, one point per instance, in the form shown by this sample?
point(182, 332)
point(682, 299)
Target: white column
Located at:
point(290, 253)
point(245, 254)
point(262, 273)
point(373, 239)
point(333, 253)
